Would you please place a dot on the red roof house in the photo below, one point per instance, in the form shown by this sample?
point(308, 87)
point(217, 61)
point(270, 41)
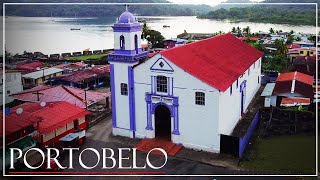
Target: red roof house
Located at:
point(294, 84)
point(54, 119)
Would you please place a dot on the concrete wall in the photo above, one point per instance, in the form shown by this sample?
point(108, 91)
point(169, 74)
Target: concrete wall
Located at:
point(13, 85)
point(198, 124)
point(230, 104)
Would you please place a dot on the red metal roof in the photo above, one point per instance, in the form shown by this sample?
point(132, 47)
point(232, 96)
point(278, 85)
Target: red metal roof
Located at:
point(293, 46)
point(295, 76)
point(218, 61)
point(15, 122)
point(52, 116)
point(61, 93)
point(85, 75)
point(294, 82)
point(251, 38)
point(295, 101)
point(30, 66)
point(56, 115)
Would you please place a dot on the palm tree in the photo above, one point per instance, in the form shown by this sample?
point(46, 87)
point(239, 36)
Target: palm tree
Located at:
point(281, 47)
point(145, 30)
point(233, 30)
point(271, 30)
point(247, 30)
point(239, 31)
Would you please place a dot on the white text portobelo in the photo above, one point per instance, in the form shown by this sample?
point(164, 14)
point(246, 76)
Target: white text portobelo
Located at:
point(108, 155)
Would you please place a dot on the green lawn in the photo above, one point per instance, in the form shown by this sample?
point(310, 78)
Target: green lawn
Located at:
point(282, 154)
point(84, 58)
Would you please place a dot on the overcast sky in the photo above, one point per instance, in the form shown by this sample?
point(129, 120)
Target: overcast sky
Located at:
point(208, 2)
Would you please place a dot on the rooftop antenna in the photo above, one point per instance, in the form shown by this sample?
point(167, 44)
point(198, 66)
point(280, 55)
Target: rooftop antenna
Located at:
point(43, 104)
point(19, 111)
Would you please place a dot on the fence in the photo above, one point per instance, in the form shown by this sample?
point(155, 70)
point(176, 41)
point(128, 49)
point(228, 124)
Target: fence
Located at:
point(236, 145)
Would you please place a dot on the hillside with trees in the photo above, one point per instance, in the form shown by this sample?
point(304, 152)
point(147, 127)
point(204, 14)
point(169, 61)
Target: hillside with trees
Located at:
point(103, 10)
point(280, 14)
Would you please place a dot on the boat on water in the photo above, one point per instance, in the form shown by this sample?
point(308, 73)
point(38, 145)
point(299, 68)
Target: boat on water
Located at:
point(75, 28)
point(166, 26)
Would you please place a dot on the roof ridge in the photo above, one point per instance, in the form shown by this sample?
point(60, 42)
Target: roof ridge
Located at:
point(199, 41)
point(66, 89)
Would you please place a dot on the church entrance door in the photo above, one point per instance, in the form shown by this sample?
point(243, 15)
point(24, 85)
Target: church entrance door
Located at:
point(162, 122)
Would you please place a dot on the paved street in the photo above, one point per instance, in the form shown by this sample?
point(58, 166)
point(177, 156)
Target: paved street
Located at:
point(99, 136)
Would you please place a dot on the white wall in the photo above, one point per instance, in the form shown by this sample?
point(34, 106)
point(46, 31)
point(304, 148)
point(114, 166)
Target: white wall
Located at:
point(198, 125)
point(129, 39)
point(13, 84)
point(121, 101)
point(230, 105)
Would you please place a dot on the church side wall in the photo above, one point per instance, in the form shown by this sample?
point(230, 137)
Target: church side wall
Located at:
point(230, 103)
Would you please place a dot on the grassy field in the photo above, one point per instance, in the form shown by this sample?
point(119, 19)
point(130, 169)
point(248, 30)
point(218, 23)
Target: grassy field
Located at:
point(282, 154)
point(84, 58)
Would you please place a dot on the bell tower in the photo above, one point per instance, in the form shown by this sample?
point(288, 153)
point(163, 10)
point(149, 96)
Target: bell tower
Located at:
point(127, 52)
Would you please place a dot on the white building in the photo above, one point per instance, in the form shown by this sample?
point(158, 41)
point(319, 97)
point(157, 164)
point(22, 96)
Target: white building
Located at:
point(13, 84)
point(189, 94)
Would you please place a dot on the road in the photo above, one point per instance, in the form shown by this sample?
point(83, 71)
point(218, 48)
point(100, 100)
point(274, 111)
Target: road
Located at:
point(99, 136)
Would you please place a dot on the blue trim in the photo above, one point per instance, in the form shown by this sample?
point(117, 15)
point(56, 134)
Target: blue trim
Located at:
point(168, 81)
point(154, 84)
point(172, 86)
point(131, 99)
point(126, 27)
point(170, 70)
point(176, 121)
point(113, 97)
point(231, 90)
point(127, 52)
point(174, 111)
point(151, 84)
point(130, 58)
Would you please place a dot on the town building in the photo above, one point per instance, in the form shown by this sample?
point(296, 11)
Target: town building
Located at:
point(189, 94)
point(294, 85)
point(92, 78)
point(305, 51)
point(13, 84)
point(173, 42)
point(72, 67)
point(56, 119)
point(39, 77)
point(76, 96)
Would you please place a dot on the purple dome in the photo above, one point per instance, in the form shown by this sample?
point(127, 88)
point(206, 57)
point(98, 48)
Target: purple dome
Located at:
point(125, 16)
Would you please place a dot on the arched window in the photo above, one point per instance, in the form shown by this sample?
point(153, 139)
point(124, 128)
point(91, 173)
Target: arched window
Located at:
point(136, 43)
point(122, 42)
point(200, 98)
point(162, 84)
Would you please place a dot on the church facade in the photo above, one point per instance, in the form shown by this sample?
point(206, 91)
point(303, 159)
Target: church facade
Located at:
point(189, 94)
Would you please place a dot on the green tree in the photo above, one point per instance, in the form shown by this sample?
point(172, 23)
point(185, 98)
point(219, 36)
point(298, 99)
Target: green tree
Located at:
point(145, 30)
point(239, 31)
point(281, 47)
point(271, 30)
point(233, 30)
point(155, 38)
point(290, 39)
point(247, 30)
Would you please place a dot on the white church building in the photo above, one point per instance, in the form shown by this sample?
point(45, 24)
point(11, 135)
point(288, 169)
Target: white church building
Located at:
point(189, 94)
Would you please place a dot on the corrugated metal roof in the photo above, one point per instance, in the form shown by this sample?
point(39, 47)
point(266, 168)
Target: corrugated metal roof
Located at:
point(61, 93)
point(39, 74)
point(268, 89)
point(218, 61)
